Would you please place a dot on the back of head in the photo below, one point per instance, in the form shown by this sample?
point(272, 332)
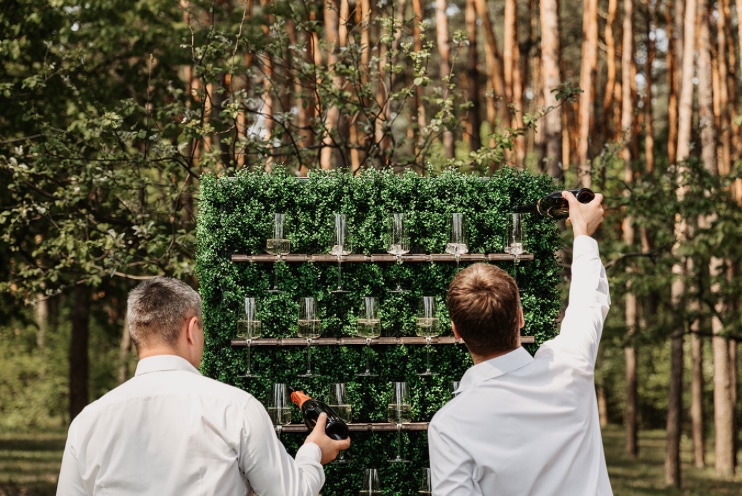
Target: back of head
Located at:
point(483, 303)
point(157, 308)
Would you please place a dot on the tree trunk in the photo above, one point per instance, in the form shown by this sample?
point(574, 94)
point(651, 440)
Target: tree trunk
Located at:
point(332, 113)
point(444, 52)
point(550, 155)
point(512, 77)
point(474, 120)
point(648, 74)
point(675, 400)
point(588, 67)
point(78, 357)
point(671, 61)
point(610, 86)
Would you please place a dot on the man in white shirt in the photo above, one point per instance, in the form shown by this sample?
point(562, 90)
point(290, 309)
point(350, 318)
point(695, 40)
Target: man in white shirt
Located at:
point(523, 425)
point(171, 431)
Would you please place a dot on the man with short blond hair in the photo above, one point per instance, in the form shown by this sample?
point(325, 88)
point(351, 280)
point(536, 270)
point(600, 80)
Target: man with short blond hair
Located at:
point(522, 424)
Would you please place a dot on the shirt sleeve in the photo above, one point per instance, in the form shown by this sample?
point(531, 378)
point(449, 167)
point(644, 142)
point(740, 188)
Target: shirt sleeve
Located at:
point(70, 481)
point(269, 469)
point(589, 301)
point(451, 466)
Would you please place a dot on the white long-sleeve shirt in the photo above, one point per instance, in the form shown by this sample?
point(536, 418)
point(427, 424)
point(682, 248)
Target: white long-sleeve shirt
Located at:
point(171, 431)
point(524, 425)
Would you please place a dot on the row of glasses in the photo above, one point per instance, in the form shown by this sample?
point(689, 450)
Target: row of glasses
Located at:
point(398, 243)
point(309, 327)
point(372, 483)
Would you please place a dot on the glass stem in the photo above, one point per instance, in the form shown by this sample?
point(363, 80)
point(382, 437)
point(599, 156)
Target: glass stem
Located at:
point(427, 355)
point(249, 349)
point(368, 356)
point(340, 265)
point(399, 265)
point(309, 356)
point(275, 273)
point(399, 441)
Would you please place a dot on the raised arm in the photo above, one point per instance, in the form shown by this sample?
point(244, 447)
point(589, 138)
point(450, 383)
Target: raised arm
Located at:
point(589, 298)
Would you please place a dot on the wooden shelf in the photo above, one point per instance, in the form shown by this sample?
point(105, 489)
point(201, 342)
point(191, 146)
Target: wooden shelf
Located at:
point(353, 341)
point(376, 258)
point(361, 427)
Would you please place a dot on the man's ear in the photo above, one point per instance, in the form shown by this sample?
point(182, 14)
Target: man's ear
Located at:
point(191, 328)
point(522, 320)
point(455, 332)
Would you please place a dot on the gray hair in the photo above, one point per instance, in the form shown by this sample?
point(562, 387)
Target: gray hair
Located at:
point(157, 308)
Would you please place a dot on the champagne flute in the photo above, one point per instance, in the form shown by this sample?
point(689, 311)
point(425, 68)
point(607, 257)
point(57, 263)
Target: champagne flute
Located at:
point(338, 401)
point(339, 247)
point(426, 483)
point(308, 327)
point(399, 411)
point(428, 325)
point(280, 407)
point(514, 245)
point(371, 485)
point(248, 328)
point(399, 244)
point(278, 246)
point(457, 240)
point(368, 326)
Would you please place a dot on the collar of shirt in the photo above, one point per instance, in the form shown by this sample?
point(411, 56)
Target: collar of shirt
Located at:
point(159, 363)
point(495, 367)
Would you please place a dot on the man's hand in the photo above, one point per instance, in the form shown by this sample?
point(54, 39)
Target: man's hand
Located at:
point(329, 447)
point(584, 217)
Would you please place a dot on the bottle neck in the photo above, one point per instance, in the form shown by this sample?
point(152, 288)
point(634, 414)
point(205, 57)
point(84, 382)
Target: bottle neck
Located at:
point(299, 398)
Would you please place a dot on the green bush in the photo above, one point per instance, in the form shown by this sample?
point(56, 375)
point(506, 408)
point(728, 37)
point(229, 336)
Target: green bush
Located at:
point(236, 217)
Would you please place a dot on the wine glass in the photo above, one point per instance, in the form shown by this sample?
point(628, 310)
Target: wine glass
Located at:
point(399, 243)
point(457, 240)
point(514, 245)
point(339, 247)
point(428, 325)
point(280, 407)
point(399, 411)
point(309, 327)
point(278, 246)
point(338, 401)
point(426, 483)
point(368, 326)
point(371, 485)
point(248, 328)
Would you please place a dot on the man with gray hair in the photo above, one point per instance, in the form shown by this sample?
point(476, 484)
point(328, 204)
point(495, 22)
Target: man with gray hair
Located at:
point(171, 431)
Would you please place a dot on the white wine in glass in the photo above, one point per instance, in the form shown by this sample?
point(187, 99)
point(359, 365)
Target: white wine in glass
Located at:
point(399, 411)
point(428, 326)
point(309, 327)
point(279, 408)
point(457, 239)
point(368, 326)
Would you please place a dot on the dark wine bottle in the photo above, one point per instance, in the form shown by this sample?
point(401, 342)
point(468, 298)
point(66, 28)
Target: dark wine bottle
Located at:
point(310, 408)
point(554, 206)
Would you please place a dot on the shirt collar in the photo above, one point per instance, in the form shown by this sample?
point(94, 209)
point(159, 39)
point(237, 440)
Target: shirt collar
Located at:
point(159, 363)
point(495, 367)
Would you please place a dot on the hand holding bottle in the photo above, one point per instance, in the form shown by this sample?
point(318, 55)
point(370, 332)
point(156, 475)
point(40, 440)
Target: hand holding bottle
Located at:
point(584, 217)
point(329, 447)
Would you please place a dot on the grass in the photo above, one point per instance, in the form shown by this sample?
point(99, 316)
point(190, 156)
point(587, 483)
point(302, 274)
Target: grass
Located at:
point(645, 475)
point(29, 465)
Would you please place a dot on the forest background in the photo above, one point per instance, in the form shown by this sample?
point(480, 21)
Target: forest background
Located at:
point(112, 110)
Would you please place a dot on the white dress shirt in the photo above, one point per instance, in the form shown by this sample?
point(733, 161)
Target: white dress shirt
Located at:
point(169, 431)
point(524, 425)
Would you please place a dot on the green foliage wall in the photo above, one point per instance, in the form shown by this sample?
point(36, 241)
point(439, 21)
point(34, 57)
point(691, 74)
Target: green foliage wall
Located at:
point(236, 217)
